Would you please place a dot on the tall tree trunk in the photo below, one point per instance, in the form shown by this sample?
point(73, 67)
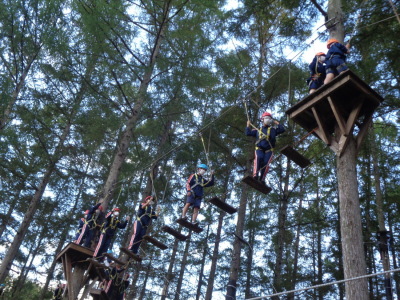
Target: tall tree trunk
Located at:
point(7, 216)
point(203, 261)
point(214, 257)
point(282, 216)
point(183, 267)
point(146, 278)
point(296, 247)
point(37, 197)
point(383, 246)
point(169, 276)
point(350, 224)
point(123, 143)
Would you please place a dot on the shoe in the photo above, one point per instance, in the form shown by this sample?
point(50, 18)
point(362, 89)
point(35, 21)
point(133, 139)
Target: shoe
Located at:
point(184, 218)
point(195, 223)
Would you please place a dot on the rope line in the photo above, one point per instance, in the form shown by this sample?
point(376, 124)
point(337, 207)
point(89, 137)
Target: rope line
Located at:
point(325, 284)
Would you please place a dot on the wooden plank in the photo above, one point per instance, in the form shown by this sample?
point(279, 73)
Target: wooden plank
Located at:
point(174, 233)
point(257, 185)
point(155, 242)
point(131, 254)
point(222, 205)
point(295, 156)
point(339, 119)
point(321, 127)
point(120, 262)
point(189, 225)
point(75, 252)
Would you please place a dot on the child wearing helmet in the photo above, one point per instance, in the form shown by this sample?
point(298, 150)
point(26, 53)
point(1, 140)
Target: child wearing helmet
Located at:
point(194, 191)
point(144, 217)
point(265, 143)
point(335, 59)
point(81, 223)
point(110, 226)
point(317, 72)
point(93, 217)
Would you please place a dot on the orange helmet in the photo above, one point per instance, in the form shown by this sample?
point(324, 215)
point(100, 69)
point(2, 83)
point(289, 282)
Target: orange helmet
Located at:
point(331, 41)
point(320, 53)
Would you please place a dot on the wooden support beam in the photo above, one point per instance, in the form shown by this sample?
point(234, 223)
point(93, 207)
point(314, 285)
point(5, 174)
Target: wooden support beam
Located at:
point(363, 130)
point(353, 117)
point(338, 116)
point(321, 131)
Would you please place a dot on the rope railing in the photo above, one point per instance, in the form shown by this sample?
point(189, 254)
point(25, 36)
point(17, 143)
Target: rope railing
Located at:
point(324, 284)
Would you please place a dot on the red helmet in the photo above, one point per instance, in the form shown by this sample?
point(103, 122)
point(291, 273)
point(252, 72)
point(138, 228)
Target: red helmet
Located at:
point(331, 41)
point(86, 212)
point(100, 208)
point(266, 114)
point(147, 198)
point(320, 53)
point(116, 209)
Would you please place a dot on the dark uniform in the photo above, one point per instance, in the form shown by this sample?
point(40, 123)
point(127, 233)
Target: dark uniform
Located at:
point(145, 215)
point(107, 233)
point(336, 59)
point(89, 228)
point(317, 74)
point(195, 185)
point(266, 139)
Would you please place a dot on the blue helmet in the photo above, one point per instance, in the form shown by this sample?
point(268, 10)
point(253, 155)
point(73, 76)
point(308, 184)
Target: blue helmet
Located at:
point(202, 166)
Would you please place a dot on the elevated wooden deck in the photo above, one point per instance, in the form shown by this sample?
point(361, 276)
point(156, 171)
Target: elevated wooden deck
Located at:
point(342, 103)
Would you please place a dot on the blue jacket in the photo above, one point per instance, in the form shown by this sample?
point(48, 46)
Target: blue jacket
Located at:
point(337, 50)
point(196, 183)
point(145, 215)
point(320, 68)
point(270, 138)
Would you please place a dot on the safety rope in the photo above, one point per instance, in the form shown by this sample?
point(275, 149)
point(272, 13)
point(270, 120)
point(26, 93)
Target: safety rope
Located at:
point(394, 10)
point(324, 284)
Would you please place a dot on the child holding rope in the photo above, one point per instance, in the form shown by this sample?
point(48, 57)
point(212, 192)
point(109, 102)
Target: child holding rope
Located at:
point(317, 72)
point(144, 217)
point(265, 143)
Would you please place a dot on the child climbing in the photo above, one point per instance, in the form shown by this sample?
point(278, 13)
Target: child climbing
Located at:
point(265, 143)
point(335, 59)
point(194, 191)
point(144, 217)
point(317, 72)
point(94, 218)
point(110, 226)
point(81, 223)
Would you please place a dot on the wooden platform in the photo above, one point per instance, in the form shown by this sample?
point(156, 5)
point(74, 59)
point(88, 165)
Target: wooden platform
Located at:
point(189, 225)
point(98, 294)
point(131, 255)
point(179, 236)
point(265, 189)
point(155, 242)
point(79, 267)
point(222, 205)
point(295, 156)
point(341, 103)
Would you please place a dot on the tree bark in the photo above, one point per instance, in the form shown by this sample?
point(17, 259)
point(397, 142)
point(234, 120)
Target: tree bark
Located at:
point(350, 224)
point(169, 276)
point(183, 267)
point(123, 143)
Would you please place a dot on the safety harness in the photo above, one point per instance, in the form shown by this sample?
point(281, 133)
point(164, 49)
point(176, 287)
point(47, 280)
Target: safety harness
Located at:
point(113, 225)
point(149, 214)
point(262, 136)
point(197, 182)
